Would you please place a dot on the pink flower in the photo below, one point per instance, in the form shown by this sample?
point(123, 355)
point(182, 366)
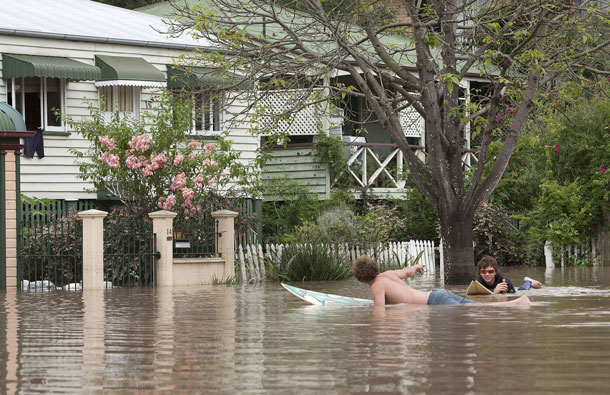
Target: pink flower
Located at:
point(158, 161)
point(602, 170)
point(178, 159)
point(133, 162)
point(187, 193)
point(210, 147)
point(179, 182)
point(111, 160)
point(499, 117)
point(107, 142)
point(215, 163)
point(192, 155)
point(208, 152)
point(212, 181)
point(139, 143)
point(194, 144)
point(206, 162)
point(510, 110)
point(160, 202)
point(147, 171)
point(223, 174)
point(557, 147)
point(169, 203)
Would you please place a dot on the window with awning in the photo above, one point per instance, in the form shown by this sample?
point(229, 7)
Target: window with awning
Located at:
point(202, 77)
point(19, 66)
point(128, 71)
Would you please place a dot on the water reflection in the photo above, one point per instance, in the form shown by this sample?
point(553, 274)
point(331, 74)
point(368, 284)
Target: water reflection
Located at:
point(260, 339)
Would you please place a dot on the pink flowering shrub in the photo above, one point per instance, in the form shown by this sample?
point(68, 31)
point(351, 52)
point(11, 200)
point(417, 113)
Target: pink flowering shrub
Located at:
point(153, 163)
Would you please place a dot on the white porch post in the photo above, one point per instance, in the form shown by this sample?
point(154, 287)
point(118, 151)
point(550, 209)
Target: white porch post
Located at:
point(226, 240)
point(93, 248)
point(163, 227)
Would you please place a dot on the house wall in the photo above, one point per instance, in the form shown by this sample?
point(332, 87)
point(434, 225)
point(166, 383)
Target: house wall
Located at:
point(301, 165)
point(56, 175)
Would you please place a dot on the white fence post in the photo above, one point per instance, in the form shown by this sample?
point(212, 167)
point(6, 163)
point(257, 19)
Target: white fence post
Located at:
point(548, 254)
point(93, 248)
point(226, 242)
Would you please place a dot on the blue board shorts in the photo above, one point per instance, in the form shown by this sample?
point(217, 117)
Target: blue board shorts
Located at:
point(442, 296)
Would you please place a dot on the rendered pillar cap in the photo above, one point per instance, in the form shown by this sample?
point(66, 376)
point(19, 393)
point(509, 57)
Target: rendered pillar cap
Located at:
point(92, 213)
point(162, 214)
point(225, 213)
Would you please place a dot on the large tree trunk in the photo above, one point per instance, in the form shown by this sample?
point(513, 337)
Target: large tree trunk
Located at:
point(458, 251)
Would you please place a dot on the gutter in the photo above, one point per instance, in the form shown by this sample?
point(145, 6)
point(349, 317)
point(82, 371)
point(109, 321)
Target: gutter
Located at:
point(107, 40)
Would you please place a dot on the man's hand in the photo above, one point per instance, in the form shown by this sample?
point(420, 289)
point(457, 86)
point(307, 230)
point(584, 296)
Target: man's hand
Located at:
point(501, 288)
point(417, 269)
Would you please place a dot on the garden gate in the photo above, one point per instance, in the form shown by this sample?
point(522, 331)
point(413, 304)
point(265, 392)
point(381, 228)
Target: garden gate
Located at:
point(50, 251)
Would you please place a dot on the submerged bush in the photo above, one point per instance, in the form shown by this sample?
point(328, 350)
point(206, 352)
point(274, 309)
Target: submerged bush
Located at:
point(312, 262)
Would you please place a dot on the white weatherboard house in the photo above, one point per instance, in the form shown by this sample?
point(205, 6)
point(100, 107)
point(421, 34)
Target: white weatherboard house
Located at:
point(58, 54)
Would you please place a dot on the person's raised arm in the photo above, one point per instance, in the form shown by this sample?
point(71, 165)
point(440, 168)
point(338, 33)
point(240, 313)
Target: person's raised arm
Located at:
point(409, 271)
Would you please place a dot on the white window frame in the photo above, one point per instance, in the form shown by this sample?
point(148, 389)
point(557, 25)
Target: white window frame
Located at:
point(135, 104)
point(43, 101)
point(196, 111)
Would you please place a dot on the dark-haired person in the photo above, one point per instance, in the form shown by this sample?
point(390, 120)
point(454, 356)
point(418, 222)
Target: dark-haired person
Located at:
point(491, 279)
point(388, 287)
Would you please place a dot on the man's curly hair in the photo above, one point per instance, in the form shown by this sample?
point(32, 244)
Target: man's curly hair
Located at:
point(365, 269)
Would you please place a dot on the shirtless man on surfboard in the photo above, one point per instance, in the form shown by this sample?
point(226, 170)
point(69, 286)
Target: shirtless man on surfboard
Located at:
point(388, 287)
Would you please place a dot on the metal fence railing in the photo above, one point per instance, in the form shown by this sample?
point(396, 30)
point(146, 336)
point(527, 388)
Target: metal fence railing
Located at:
point(130, 252)
point(50, 253)
point(196, 237)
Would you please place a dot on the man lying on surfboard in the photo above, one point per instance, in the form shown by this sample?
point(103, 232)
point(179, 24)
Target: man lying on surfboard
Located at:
point(388, 287)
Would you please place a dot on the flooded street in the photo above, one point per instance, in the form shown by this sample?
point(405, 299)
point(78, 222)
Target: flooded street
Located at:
point(261, 339)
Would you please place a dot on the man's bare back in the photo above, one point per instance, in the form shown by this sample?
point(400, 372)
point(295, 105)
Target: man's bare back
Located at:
point(388, 288)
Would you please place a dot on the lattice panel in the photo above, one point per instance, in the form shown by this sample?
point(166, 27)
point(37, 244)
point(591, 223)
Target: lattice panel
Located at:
point(412, 123)
point(304, 121)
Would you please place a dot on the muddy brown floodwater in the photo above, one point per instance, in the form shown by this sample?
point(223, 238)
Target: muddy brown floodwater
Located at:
point(261, 339)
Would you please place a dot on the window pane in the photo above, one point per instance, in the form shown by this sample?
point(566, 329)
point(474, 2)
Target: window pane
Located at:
point(32, 103)
point(216, 113)
point(106, 98)
point(125, 98)
point(9, 91)
point(199, 111)
point(53, 101)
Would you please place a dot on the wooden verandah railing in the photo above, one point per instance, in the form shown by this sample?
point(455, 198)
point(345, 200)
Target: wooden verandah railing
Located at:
point(368, 168)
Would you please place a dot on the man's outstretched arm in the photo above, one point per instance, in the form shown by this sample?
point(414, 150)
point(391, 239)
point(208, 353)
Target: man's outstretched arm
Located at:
point(408, 271)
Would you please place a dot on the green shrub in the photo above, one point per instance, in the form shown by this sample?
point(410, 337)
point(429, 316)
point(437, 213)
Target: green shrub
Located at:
point(312, 262)
point(494, 235)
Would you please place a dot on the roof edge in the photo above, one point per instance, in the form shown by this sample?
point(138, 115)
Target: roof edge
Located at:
point(108, 40)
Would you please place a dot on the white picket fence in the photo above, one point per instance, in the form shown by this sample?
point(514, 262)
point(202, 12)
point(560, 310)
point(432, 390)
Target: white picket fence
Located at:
point(252, 258)
point(570, 255)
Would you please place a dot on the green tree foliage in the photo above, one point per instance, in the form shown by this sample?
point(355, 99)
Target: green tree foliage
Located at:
point(520, 48)
point(558, 182)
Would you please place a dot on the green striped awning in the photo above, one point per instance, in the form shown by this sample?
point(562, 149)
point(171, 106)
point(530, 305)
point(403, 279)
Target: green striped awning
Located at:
point(202, 77)
point(17, 66)
point(10, 119)
point(120, 70)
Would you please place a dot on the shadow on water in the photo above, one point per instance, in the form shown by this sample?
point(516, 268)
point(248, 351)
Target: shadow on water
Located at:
point(260, 339)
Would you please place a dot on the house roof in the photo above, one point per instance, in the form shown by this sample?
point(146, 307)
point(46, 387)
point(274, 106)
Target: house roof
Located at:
point(85, 20)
